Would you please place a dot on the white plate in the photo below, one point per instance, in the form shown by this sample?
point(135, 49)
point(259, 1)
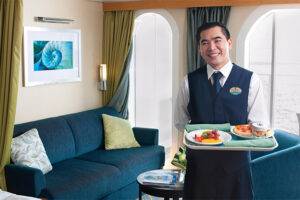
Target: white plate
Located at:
point(270, 134)
point(224, 137)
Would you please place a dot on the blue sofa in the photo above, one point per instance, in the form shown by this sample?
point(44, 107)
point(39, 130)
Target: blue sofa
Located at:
point(276, 174)
point(82, 168)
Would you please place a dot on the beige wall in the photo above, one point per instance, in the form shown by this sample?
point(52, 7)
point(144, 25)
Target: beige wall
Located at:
point(56, 99)
point(237, 17)
point(179, 16)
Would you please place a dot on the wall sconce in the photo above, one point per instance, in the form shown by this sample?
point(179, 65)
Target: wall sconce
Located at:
point(53, 20)
point(102, 77)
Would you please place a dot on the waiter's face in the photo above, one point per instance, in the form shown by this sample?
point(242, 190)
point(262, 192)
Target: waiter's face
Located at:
point(214, 47)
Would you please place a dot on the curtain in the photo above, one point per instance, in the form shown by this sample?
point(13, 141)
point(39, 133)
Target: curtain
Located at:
point(11, 25)
point(195, 18)
point(120, 99)
point(117, 37)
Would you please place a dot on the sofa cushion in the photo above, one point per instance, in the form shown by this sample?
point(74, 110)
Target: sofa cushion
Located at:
point(131, 162)
point(118, 133)
point(56, 136)
point(87, 128)
point(79, 179)
point(130, 191)
point(27, 149)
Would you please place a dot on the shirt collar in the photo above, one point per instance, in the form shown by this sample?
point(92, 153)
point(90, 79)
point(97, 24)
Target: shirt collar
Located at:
point(225, 70)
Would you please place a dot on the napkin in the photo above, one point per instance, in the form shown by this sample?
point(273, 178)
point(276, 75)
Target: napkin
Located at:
point(220, 127)
point(263, 142)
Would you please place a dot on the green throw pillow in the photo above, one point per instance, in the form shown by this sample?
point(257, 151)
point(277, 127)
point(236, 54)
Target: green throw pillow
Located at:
point(118, 133)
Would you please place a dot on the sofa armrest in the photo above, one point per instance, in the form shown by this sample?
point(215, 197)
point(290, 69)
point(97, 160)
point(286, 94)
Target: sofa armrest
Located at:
point(285, 140)
point(276, 175)
point(24, 180)
point(146, 136)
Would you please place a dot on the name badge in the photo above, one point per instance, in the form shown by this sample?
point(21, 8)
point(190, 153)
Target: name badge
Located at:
point(235, 90)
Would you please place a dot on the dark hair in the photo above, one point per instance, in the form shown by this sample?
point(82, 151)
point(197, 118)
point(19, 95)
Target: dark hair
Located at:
point(209, 25)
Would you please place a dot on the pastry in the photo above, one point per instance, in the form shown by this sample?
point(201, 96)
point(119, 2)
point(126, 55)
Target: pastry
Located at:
point(259, 130)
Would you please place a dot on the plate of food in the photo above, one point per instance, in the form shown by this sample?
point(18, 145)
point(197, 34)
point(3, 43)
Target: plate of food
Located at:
point(252, 131)
point(208, 137)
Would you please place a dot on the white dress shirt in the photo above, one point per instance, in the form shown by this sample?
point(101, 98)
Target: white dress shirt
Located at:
point(257, 111)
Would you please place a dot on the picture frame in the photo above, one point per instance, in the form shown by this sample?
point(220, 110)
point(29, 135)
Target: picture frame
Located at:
point(51, 56)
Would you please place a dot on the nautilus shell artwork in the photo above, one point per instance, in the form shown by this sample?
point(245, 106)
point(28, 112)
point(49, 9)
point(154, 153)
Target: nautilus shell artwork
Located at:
point(52, 55)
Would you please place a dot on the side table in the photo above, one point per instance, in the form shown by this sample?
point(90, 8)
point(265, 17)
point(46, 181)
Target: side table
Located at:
point(167, 191)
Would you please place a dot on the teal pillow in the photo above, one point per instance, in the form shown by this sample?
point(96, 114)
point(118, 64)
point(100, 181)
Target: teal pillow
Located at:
point(118, 133)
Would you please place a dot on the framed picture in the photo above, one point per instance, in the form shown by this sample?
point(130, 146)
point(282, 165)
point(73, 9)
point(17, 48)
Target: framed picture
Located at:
point(51, 56)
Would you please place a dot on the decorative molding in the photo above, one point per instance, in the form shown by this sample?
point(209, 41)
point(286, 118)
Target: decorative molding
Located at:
point(155, 4)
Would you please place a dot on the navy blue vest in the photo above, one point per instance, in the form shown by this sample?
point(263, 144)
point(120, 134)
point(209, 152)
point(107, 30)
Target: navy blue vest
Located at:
point(227, 106)
point(218, 174)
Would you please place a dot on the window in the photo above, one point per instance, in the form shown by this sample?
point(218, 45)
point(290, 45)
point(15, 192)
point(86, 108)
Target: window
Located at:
point(272, 47)
point(150, 95)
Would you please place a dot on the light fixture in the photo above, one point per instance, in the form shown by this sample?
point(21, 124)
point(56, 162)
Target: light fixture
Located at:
point(53, 20)
point(102, 77)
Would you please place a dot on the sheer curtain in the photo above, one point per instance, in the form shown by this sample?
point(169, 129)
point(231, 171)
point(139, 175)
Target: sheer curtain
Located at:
point(11, 25)
point(117, 37)
point(195, 18)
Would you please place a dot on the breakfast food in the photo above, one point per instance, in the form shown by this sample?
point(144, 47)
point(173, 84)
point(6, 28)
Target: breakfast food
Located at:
point(208, 136)
point(259, 130)
point(252, 130)
point(243, 130)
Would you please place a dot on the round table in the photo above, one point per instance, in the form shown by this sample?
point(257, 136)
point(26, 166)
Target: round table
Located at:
point(167, 192)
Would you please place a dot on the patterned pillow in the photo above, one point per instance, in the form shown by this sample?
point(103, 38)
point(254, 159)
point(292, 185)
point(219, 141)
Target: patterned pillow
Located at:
point(118, 133)
point(28, 149)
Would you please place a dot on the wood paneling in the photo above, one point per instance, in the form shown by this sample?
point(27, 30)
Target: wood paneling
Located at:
point(152, 4)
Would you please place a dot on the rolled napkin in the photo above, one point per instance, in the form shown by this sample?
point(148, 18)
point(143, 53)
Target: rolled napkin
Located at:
point(220, 127)
point(263, 142)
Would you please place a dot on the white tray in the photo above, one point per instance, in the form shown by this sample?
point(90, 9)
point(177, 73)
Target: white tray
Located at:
point(223, 148)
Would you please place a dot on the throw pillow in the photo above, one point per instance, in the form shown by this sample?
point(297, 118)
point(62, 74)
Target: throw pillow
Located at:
point(118, 133)
point(28, 149)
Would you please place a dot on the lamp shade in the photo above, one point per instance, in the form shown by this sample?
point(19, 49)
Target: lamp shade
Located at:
point(103, 72)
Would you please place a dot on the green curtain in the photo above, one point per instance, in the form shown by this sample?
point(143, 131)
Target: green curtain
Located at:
point(120, 99)
point(11, 26)
point(117, 37)
point(195, 18)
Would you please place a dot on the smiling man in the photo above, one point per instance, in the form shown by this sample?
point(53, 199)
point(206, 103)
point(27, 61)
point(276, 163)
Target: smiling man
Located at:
point(214, 46)
point(219, 92)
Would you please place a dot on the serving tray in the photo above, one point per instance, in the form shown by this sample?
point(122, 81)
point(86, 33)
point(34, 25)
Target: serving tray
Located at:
point(221, 147)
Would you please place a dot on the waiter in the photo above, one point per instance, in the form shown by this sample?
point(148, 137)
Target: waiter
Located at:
point(220, 92)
